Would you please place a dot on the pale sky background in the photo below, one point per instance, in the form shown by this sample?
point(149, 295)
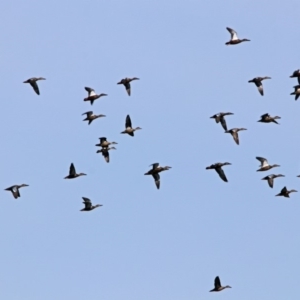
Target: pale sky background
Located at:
point(144, 243)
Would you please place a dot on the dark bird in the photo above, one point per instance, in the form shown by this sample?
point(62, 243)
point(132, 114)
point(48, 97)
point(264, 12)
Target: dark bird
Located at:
point(219, 170)
point(91, 117)
point(264, 166)
point(285, 193)
point(105, 152)
point(156, 168)
point(220, 118)
point(234, 133)
point(258, 83)
point(271, 178)
point(218, 287)
point(126, 82)
point(92, 96)
point(15, 190)
point(88, 204)
point(128, 127)
point(104, 142)
point(296, 92)
point(296, 74)
point(234, 38)
point(32, 81)
point(266, 118)
point(72, 173)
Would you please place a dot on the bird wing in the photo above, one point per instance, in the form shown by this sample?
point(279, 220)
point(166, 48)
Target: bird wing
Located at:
point(127, 87)
point(155, 165)
point(15, 192)
point(87, 202)
point(221, 173)
point(35, 87)
point(223, 123)
point(233, 34)
point(235, 137)
point(88, 113)
point(217, 282)
point(264, 116)
point(270, 181)
point(72, 170)
point(90, 91)
point(156, 179)
point(263, 161)
point(260, 87)
point(128, 122)
point(106, 155)
point(284, 190)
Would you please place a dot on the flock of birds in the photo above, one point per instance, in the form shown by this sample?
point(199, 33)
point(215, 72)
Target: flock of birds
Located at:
point(156, 168)
point(104, 144)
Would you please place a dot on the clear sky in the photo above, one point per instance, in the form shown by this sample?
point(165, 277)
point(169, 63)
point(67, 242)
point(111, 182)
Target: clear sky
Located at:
point(146, 243)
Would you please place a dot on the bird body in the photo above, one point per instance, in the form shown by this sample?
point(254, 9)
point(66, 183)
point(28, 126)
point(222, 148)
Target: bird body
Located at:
point(126, 82)
point(88, 204)
point(296, 92)
point(218, 287)
point(104, 142)
point(234, 38)
point(285, 192)
point(266, 118)
point(32, 81)
point(156, 168)
point(264, 164)
point(91, 117)
point(72, 173)
point(296, 74)
point(218, 168)
point(14, 189)
point(220, 118)
point(234, 133)
point(258, 82)
point(270, 178)
point(105, 152)
point(92, 96)
point(128, 127)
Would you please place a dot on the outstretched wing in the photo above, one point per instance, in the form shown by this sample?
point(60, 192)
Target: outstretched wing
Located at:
point(35, 87)
point(87, 202)
point(233, 34)
point(90, 91)
point(221, 173)
point(156, 179)
point(155, 165)
point(72, 170)
point(223, 123)
point(263, 161)
point(128, 122)
point(217, 282)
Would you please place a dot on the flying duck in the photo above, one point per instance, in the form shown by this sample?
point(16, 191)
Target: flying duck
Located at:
point(219, 170)
point(92, 96)
point(72, 173)
point(234, 133)
point(220, 118)
point(296, 74)
point(14, 189)
point(285, 193)
point(88, 204)
point(266, 118)
point(126, 82)
point(32, 81)
point(218, 287)
point(156, 168)
point(271, 178)
point(104, 142)
point(258, 83)
point(128, 127)
point(91, 117)
point(105, 152)
point(265, 165)
point(296, 91)
point(234, 38)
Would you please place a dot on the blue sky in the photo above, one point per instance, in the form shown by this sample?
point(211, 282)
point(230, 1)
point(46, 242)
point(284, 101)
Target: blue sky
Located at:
point(146, 243)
